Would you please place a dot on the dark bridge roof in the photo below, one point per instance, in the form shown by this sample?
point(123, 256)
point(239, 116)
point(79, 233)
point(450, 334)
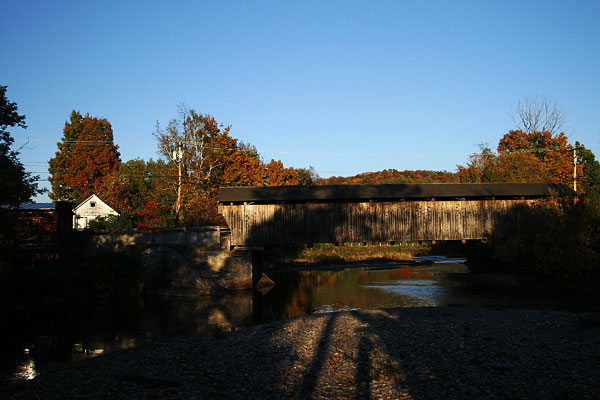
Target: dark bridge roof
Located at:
point(267, 194)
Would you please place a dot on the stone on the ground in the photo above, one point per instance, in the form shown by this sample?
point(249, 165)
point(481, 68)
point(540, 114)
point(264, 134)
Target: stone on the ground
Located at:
point(264, 284)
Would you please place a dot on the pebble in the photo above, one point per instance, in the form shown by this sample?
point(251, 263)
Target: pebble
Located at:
point(418, 353)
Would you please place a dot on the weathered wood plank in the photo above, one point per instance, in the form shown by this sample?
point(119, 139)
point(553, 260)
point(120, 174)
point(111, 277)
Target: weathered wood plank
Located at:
point(273, 224)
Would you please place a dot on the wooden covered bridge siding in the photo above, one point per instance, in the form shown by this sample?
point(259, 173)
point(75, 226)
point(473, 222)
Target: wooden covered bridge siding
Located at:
point(369, 213)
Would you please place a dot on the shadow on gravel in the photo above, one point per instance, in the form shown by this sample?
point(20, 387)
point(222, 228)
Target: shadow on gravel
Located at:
point(311, 379)
point(377, 330)
point(479, 353)
point(363, 369)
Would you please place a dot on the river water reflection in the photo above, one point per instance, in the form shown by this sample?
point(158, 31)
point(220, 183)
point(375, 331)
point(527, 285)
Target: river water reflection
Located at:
point(304, 292)
point(63, 333)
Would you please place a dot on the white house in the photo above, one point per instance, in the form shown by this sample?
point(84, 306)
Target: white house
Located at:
point(89, 209)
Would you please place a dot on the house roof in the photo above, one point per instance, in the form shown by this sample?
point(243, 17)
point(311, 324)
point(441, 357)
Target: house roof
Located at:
point(37, 206)
point(77, 203)
point(389, 192)
point(94, 197)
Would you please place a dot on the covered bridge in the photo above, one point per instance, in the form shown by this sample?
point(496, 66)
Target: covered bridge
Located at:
point(275, 215)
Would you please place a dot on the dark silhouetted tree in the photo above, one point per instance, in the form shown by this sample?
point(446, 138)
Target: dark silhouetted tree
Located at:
point(590, 181)
point(16, 185)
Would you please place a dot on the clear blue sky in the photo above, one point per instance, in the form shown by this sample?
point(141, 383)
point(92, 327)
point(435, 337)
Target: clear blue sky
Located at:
point(344, 86)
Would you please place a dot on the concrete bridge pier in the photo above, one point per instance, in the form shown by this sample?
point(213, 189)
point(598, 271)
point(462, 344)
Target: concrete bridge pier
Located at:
point(185, 261)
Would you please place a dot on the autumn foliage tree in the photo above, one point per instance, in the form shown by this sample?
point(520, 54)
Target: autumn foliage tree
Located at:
point(553, 150)
point(560, 242)
point(243, 169)
point(278, 175)
point(86, 155)
point(211, 158)
point(307, 176)
point(487, 167)
point(206, 147)
point(136, 182)
point(537, 151)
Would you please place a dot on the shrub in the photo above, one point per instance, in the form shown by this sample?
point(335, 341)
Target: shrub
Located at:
point(113, 223)
point(561, 243)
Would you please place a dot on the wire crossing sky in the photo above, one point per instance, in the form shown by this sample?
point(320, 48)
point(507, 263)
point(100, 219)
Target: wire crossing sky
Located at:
point(344, 86)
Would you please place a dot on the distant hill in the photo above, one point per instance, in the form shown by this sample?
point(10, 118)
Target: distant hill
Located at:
point(388, 176)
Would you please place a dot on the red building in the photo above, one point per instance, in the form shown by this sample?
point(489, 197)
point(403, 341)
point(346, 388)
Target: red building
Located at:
point(43, 229)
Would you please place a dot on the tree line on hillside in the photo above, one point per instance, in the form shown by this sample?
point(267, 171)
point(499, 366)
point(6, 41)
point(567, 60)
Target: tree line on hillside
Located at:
point(392, 176)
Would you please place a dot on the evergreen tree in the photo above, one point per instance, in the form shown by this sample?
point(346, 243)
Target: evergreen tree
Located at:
point(85, 156)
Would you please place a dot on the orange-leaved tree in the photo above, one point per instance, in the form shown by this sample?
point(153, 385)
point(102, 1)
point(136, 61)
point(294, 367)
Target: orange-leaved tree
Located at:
point(205, 145)
point(210, 158)
point(200, 147)
point(278, 175)
point(487, 167)
point(86, 155)
point(243, 169)
point(553, 150)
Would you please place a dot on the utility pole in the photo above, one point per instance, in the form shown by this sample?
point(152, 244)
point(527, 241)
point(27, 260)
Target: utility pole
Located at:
point(177, 157)
point(575, 169)
point(575, 160)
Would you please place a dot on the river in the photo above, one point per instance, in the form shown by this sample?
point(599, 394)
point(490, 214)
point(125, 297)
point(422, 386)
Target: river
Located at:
point(57, 332)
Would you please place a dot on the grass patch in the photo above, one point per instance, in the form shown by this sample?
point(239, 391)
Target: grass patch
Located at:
point(328, 253)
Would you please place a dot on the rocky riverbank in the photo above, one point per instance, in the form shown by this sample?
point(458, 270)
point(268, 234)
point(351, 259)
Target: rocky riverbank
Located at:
point(419, 353)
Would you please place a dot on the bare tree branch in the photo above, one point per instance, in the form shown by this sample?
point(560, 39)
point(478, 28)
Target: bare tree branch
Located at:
point(535, 114)
point(24, 146)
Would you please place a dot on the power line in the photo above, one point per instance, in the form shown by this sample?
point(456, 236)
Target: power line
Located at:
point(69, 141)
point(270, 151)
point(276, 151)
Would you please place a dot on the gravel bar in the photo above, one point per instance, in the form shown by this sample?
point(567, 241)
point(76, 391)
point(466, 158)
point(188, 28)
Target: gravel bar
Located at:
point(414, 353)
